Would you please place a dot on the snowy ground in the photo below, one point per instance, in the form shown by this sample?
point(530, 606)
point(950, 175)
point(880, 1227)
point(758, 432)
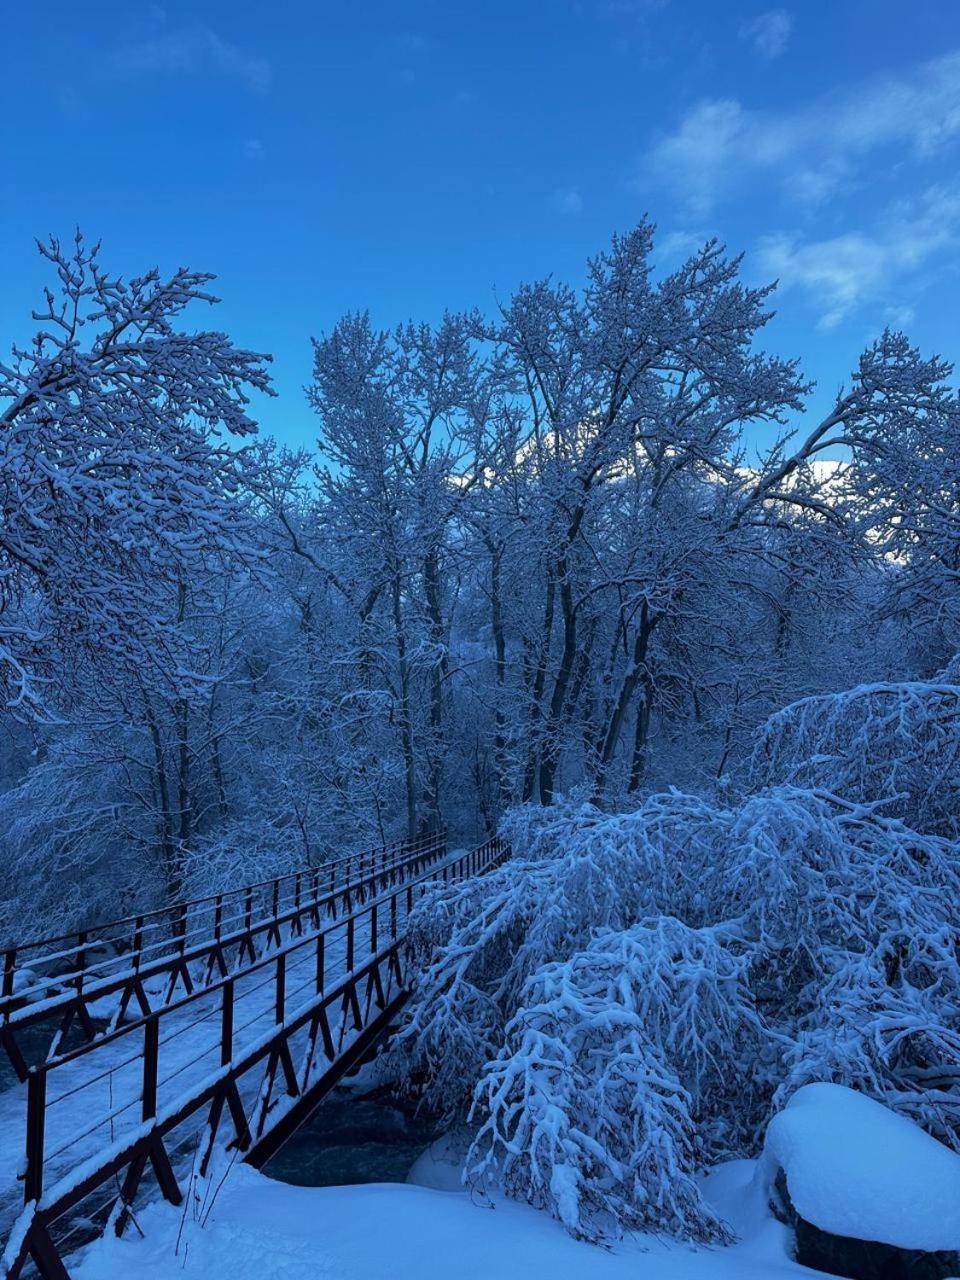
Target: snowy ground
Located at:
point(270, 1231)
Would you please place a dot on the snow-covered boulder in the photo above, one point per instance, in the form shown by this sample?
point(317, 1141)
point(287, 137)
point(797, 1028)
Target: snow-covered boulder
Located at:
point(870, 1193)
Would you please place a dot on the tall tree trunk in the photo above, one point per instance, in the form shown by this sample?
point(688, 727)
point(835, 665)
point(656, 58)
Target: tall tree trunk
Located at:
point(500, 672)
point(631, 678)
point(598, 715)
point(216, 758)
point(539, 684)
point(172, 872)
point(641, 733)
point(406, 725)
point(553, 737)
point(185, 811)
point(558, 701)
point(438, 676)
point(181, 714)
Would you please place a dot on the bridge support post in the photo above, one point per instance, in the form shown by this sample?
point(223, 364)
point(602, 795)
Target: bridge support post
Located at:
point(36, 1115)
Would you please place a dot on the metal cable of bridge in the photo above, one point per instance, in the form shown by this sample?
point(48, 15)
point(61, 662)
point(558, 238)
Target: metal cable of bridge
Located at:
point(187, 1026)
point(96, 971)
point(185, 1066)
point(182, 923)
point(85, 1220)
point(94, 1128)
point(333, 971)
point(85, 1084)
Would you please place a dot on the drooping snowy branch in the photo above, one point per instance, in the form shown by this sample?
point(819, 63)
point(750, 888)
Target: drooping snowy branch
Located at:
point(666, 970)
point(894, 742)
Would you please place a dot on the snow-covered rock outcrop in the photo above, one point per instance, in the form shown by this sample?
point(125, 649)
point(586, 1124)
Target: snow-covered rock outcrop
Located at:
point(871, 1193)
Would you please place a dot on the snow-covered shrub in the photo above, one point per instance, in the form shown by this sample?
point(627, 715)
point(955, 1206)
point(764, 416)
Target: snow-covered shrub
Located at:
point(583, 1111)
point(665, 970)
point(850, 918)
point(812, 877)
point(631, 1059)
point(590, 1107)
point(893, 742)
point(888, 1024)
point(476, 944)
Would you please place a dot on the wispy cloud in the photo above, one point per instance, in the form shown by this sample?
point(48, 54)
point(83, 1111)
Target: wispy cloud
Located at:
point(812, 150)
point(768, 33)
point(194, 51)
point(254, 150)
point(567, 200)
point(675, 246)
point(840, 273)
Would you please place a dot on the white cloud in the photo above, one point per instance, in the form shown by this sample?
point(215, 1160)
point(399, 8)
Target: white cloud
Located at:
point(844, 271)
point(814, 149)
point(568, 200)
point(194, 51)
point(769, 32)
point(676, 246)
point(900, 317)
point(697, 156)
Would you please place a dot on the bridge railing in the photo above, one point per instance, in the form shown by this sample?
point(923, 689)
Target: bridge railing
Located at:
point(73, 954)
point(277, 1035)
point(168, 946)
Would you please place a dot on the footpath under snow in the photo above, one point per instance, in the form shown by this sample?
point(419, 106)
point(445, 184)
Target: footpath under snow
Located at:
point(386, 1231)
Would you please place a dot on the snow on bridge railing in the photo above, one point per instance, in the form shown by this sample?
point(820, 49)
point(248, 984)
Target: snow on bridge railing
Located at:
point(128, 932)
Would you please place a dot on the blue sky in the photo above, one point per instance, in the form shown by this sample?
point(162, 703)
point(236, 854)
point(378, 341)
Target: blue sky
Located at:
point(413, 156)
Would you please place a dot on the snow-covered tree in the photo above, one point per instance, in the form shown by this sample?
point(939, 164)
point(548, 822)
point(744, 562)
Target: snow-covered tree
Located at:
point(117, 479)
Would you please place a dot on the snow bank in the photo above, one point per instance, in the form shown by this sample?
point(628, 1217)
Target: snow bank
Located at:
point(265, 1230)
point(855, 1168)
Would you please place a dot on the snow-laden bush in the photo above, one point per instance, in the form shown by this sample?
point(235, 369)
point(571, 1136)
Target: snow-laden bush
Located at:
point(893, 742)
point(590, 1105)
point(813, 879)
point(475, 944)
point(662, 972)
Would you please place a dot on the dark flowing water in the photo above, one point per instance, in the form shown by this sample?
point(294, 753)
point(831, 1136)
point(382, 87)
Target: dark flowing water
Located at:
point(34, 1042)
point(354, 1138)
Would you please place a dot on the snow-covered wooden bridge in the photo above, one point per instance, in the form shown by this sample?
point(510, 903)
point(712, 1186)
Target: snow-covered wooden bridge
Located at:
point(133, 1044)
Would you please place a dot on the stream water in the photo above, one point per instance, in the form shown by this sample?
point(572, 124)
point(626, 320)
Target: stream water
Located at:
point(34, 1042)
point(354, 1138)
